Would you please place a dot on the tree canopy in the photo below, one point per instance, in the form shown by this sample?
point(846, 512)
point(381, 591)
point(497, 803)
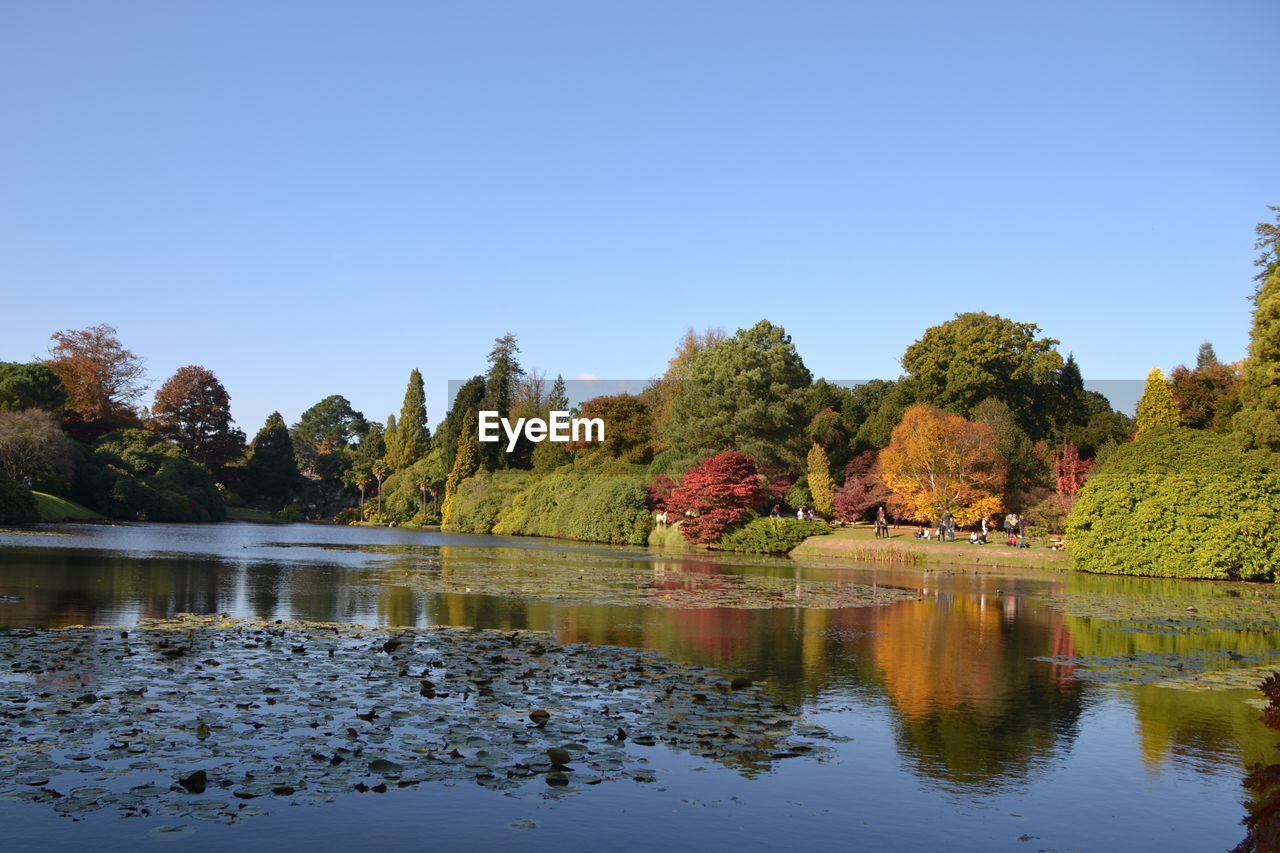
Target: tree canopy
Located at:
point(102, 379)
point(411, 438)
point(193, 410)
point(272, 469)
point(938, 462)
point(743, 393)
point(975, 356)
point(30, 386)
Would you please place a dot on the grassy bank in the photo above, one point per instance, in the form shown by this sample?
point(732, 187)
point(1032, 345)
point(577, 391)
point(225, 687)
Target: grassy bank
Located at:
point(56, 509)
point(903, 549)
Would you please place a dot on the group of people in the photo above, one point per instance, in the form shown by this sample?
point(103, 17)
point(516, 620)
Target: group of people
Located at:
point(1014, 530)
point(802, 514)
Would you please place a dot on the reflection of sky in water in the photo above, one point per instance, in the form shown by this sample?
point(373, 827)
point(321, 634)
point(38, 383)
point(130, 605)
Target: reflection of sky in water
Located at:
point(969, 732)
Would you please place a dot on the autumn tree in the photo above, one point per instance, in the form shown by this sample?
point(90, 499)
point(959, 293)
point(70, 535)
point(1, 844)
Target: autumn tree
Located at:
point(628, 428)
point(937, 462)
point(411, 438)
point(33, 446)
point(30, 386)
point(1208, 394)
point(1157, 407)
point(821, 485)
point(466, 462)
point(1257, 424)
point(102, 379)
point(271, 472)
point(192, 409)
point(863, 488)
point(714, 494)
point(743, 393)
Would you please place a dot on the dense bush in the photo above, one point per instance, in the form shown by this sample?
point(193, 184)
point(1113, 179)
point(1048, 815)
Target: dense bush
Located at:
point(135, 474)
point(601, 502)
point(17, 504)
point(771, 535)
point(481, 499)
point(1178, 503)
point(712, 496)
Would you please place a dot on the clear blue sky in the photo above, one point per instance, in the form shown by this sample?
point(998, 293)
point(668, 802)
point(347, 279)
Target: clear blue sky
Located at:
point(313, 198)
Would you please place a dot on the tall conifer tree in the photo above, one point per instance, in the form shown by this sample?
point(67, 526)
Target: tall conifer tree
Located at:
point(821, 485)
point(1257, 424)
point(411, 438)
point(465, 464)
point(1157, 407)
point(272, 471)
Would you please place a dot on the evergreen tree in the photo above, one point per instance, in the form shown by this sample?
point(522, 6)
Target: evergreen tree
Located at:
point(1206, 356)
point(411, 439)
point(499, 391)
point(1157, 407)
point(465, 464)
point(821, 485)
point(1026, 467)
point(389, 432)
point(272, 472)
point(558, 399)
point(468, 399)
point(1257, 424)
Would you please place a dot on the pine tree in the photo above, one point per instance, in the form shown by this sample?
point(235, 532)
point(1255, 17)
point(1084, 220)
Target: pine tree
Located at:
point(411, 438)
point(466, 462)
point(1157, 407)
point(1257, 424)
point(558, 399)
point(272, 472)
point(821, 486)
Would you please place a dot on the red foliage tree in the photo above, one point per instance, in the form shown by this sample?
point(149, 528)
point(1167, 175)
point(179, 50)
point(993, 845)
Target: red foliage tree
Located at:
point(102, 379)
point(193, 410)
point(1069, 473)
point(863, 489)
point(1263, 820)
point(715, 493)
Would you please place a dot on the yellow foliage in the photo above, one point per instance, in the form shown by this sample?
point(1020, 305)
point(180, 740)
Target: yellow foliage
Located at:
point(937, 462)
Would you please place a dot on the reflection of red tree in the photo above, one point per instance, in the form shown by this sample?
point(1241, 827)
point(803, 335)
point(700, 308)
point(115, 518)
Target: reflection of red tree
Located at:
point(1064, 646)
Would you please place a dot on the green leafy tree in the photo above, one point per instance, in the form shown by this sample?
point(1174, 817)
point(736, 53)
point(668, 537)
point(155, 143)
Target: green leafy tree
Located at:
point(1257, 424)
point(466, 463)
point(1208, 395)
point(17, 504)
point(412, 437)
point(628, 429)
point(883, 404)
point(323, 439)
point(193, 410)
point(1157, 407)
point(30, 386)
point(975, 356)
point(743, 393)
point(134, 474)
point(271, 473)
point(368, 453)
point(1026, 468)
point(821, 484)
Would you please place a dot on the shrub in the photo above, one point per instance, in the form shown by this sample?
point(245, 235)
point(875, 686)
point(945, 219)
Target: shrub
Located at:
point(587, 501)
point(799, 496)
point(481, 499)
point(715, 494)
point(1178, 503)
point(771, 535)
point(17, 504)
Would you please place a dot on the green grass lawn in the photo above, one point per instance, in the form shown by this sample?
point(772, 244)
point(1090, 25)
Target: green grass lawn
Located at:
point(903, 548)
point(53, 508)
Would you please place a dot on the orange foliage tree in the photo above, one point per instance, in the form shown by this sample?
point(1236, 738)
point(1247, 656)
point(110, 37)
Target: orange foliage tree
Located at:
point(937, 462)
point(103, 380)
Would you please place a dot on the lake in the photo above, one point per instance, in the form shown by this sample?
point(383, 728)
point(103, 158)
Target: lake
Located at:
point(964, 710)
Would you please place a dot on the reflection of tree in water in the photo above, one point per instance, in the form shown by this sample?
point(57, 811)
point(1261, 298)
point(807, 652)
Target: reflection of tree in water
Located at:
point(975, 710)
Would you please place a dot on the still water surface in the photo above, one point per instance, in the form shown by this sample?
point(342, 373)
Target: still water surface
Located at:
point(977, 720)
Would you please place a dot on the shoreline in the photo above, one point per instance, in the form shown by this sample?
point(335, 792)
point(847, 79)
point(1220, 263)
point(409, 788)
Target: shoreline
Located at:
point(902, 549)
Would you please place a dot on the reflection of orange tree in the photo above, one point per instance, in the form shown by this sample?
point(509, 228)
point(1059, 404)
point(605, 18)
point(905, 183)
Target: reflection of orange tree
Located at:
point(976, 710)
